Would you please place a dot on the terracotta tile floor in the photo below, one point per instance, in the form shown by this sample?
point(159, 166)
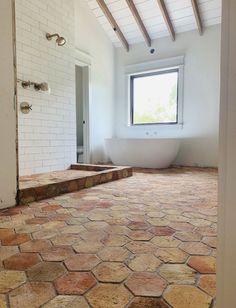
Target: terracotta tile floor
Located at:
point(143, 242)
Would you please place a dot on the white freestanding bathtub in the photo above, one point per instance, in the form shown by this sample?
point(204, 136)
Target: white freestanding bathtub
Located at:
point(144, 153)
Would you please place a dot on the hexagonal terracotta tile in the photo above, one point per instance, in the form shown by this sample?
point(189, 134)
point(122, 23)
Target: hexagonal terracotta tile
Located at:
point(8, 251)
point(138, 225)
point(73, 229)
point(116, 229)
point(36, 221)
point(45, 234)
point(35, 246)
point(96, 225)
point(57, 253)
point(176, 218)
point(187, 236)
point(136, 217)
point(11, 211)
point(195, 248)
point(203, 264)
point(21, 261)
point(82, 262)
point(141, 247)
point(70, 301)
point(148, 302)
point(146, 284)
point(155, 214)
point(65, 239)
point(92, 236)
point(178, 273)
point(208, 284)
point(75, 283)
point(60, 217)
point(172, 211)
point(113, 254)
point(165, 241)
point(181, 226)
point(6, 233)
point(88, 247)
point(27, 228)
point(46, 271)
point(111, 272)
point(54, 225)
point(210, 241)
point(98, 216)
point(117, 221)
point(207, 231)
point(159, 222)
point(32, 294)
point(15, 239)
point(104, 204)
point(76, 220)
point(187, 297)
point(162, 231)
point(140, 235)
point(115, 240)
point(171, 255)
point(144, 263)
point(51, 208)
point(199, 222)
point(10, 280)
point(108, 296)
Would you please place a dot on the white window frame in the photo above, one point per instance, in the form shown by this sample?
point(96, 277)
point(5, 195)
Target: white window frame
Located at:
point(153, 67)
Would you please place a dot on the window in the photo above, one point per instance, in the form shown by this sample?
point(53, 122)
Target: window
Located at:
point(154, 97)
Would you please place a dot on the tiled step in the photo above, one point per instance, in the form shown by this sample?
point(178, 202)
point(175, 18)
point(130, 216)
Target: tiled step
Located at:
point(48, 185)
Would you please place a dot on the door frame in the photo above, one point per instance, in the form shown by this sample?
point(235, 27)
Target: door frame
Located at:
point(9, 178)
point(83, 60)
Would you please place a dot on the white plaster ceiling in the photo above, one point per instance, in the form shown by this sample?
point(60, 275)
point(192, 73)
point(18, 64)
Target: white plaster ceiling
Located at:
point(180, 11)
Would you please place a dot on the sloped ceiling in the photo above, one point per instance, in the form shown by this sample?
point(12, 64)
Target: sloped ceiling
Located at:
point(180, 12)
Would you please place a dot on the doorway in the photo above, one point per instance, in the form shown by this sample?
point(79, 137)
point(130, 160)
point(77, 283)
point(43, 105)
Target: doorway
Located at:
point(82, 112)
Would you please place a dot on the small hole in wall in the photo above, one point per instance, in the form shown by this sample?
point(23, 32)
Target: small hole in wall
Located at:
point(152, 51)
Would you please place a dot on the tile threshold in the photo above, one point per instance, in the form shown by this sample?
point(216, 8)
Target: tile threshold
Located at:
point(102, 174)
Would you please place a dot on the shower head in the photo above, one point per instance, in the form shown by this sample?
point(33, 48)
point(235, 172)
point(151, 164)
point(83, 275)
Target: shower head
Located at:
point(60, 40)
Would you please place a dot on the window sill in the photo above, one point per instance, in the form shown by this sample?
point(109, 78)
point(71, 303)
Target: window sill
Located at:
point(157, 126)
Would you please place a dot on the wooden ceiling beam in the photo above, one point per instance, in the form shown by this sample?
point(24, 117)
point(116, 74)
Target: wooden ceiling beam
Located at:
point(139, 22)
point(166, 17)
point(197, 16)
point(113, 23)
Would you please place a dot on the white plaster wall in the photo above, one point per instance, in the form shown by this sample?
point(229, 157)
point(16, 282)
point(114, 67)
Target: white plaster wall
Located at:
point(226, 266)
point(47, 136)
point(92, 40)
point(199, 135)
point(8, 170)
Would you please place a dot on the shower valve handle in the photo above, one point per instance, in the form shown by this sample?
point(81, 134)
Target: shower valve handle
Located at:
point(25, 107)
point(28, 107)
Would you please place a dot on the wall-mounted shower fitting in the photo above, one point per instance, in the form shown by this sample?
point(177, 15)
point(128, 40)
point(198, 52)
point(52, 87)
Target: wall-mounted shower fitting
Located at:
point(37, 86)
point(59, 39)
point(25, 107)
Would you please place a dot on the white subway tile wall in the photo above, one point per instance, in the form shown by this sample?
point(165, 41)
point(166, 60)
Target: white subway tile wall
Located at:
point(47, 135)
